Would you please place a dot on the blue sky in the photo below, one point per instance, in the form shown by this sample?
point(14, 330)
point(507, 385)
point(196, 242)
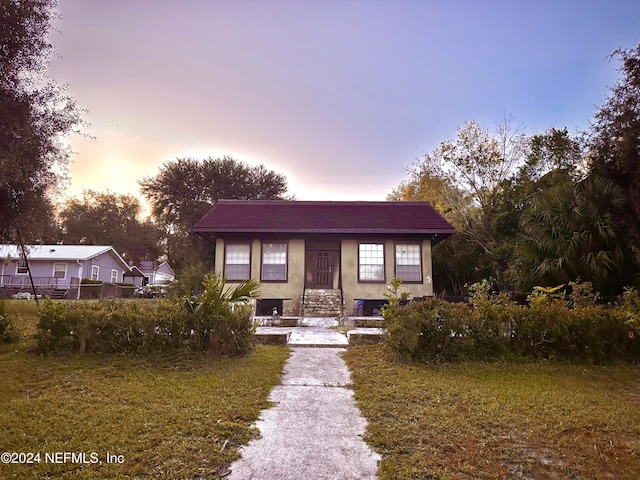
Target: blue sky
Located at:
point(339, 96)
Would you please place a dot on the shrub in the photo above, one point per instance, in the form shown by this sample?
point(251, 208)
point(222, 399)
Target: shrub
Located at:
point(492, 326)
point(220, 317)
point(218, 321)
point(189, 281)
point(85, 326)
point(8, 331)
point(433, 330)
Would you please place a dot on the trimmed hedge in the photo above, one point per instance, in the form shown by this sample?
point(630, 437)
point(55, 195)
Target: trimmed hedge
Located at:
point(109, 326)
point(492, 326)
point(214, 322)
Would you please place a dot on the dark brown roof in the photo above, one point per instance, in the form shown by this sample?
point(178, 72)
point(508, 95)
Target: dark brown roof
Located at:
point(282, 216)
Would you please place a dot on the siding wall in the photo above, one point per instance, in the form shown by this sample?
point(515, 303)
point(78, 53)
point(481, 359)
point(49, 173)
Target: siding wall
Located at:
point(44, 268)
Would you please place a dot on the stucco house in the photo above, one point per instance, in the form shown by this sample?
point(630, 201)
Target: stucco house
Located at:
point(57, 268)
point(324, 258)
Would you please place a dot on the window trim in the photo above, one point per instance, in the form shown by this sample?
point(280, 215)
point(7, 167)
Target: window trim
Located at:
point(95, 270)
point(21, 264)
point(226, 244)
point(64, 277)
point(420, 260)
point(384, 262)
point(113, 270)
point(286, 261)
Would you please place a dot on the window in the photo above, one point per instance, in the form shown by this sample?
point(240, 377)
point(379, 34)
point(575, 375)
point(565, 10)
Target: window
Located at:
point(371, 262)
point(95, 270)
point(21, 267)
point(237, 261)
point(274, 261)
point(114, 276)
point(60, 270)
point(408, 264)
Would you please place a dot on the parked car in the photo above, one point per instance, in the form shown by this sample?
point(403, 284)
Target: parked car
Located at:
point(150, 291)
point(24, 296)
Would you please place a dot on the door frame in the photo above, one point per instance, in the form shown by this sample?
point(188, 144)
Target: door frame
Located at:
point(311, 248)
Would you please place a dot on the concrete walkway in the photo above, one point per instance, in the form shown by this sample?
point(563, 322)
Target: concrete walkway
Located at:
point(314, 431)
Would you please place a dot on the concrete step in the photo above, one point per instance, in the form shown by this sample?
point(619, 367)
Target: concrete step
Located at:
point(317, 336)
point(367, 322)
point(301, 337)
point(277, 321)
point(322, 303)
point(365, 336)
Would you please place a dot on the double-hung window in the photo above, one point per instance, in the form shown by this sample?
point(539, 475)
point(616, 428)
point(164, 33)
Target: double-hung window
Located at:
point(60, 270)
point(95, 272)
point(237, 261)
point(114, 276)
point(408, 262)
point(371, 262)
point(274, 262)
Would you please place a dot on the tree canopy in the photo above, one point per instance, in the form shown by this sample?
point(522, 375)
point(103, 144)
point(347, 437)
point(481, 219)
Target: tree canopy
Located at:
point(569, 234)
point(543, 209)
point(186, 188)
point(34, 114)
point(614, 140)
point(106, 218)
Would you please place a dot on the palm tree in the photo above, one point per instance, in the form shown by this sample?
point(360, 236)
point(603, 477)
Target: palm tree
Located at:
point(570, 234)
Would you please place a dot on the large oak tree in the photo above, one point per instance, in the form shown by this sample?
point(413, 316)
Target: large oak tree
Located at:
point(187, 188)
point(107, 218)
point(34, 114)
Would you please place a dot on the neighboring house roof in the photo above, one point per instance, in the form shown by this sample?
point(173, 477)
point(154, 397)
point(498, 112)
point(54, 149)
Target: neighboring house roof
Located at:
point(282, 216)
point(149, 269)
point(165, 268)
point(135, 273)
point(60, 252)
point(146, 266)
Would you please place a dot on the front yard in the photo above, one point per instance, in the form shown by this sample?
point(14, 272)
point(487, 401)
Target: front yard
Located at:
point(171, 416)
point(182, 415)
point(497, 420)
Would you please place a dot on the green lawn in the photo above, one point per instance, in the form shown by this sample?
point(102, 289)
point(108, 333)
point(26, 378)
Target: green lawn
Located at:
point(499, 420)
point(171, 416)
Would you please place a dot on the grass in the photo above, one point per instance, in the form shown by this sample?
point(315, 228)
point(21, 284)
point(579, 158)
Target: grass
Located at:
point(170, 416)
point(498, 420)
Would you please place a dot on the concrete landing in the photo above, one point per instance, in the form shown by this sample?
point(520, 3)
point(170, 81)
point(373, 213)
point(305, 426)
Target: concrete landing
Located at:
point(306, 336)
point(317, 337)
point(314, 431)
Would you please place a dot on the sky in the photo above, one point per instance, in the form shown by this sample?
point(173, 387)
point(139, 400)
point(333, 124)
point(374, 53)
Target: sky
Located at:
point(340, 97)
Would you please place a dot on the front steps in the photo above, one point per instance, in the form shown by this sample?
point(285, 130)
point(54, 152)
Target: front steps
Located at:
point(318, 302)
point(322, 324)
point(59, 293)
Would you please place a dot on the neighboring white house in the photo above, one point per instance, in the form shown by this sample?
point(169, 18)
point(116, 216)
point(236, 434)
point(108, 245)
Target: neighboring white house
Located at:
point(58, 268)
point(162, 274)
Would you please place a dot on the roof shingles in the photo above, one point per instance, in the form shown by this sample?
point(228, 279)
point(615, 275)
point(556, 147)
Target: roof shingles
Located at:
point(282, 216)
